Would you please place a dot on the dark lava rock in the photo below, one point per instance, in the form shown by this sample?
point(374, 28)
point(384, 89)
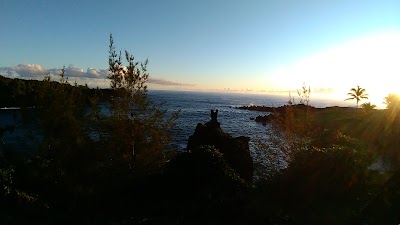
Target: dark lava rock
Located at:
point(265, 119)
point(235, 150)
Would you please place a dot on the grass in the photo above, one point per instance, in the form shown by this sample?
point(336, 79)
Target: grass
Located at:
point(373, 128)
point(367, 127)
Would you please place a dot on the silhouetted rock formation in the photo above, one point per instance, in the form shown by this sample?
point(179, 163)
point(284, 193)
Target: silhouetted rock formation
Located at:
point(235, 150)
point(277, 111)
point(280, 109)
point(257, 108)
point(213, 121)
point(265, 119)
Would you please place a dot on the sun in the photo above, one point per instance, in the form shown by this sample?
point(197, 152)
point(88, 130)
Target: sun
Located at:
point(377, 90)
point(372, 62)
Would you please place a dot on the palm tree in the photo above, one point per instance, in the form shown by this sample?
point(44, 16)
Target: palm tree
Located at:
point(357, 94)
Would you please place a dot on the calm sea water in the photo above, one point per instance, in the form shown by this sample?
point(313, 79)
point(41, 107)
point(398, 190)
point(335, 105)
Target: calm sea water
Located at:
point(194, 108)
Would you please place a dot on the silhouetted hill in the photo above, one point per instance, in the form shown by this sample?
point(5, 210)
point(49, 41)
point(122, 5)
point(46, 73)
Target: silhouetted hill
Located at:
point(16, 92)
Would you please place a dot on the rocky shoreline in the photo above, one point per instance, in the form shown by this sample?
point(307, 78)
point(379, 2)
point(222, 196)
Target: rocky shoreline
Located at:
point(281, 110)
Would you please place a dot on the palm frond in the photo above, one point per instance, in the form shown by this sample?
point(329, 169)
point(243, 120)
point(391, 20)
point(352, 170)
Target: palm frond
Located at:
point(357, 94)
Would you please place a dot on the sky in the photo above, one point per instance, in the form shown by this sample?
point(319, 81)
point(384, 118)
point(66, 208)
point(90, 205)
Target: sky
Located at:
point(216, 45)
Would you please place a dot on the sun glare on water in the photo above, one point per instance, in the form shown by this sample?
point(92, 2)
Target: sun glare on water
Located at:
point(372, 63)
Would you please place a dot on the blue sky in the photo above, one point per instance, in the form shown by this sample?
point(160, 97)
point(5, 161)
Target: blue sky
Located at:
point(208, 44)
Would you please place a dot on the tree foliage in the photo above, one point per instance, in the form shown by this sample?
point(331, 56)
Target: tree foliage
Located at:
point(358, 94)
point(392, 102)
point(136, 130)
point(293, 123)
point(85, 145)
point(368, 106)
point(304, 94)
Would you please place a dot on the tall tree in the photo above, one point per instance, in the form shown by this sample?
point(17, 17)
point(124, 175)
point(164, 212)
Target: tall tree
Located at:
point(357, 94)
point(392, 102)
point(138, 130)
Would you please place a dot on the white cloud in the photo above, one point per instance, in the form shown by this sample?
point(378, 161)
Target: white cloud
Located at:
point(93, 73)
point(73, 71)
point(92, 77)
point(26, 70)
point(161, 81)
point(36, 71)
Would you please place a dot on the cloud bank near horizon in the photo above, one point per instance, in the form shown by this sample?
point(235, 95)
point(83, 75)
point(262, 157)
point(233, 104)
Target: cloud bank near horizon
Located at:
point(93, 77)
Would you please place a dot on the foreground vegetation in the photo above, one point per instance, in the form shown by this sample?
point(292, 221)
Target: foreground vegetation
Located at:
point(330, 178)
point(102, 157)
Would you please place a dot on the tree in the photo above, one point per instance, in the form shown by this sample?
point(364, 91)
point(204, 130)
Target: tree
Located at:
point(137, 131)
point(392, 102)
point(304, 94)
point(291, 132)
point(357, 94)
point(368, 107)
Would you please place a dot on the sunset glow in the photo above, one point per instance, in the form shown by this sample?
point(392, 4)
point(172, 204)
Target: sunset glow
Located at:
point(371, 62)
point(245, 47)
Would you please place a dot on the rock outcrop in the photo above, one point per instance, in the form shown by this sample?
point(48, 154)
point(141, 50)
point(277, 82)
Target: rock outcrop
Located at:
point(235, 150)
point(265, 119)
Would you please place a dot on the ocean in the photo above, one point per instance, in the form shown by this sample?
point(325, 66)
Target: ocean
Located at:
point(194, 108)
